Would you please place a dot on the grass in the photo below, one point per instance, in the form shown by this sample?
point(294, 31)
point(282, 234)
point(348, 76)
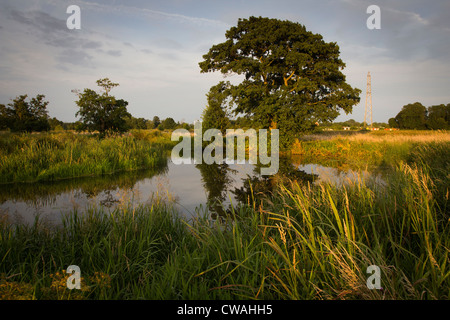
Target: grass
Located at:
point(359, 150)
point(54, 156)
point(304, 241)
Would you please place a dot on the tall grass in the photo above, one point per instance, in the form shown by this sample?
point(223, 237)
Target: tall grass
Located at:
point(359, 150)
point(53, 156)
point(305, 241)
point(330, 236)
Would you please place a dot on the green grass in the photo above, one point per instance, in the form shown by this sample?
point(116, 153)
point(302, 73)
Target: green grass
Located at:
point(304, 241)
point(54, 156)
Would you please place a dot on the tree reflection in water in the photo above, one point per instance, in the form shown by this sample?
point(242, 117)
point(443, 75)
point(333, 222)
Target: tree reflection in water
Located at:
point(218, 183)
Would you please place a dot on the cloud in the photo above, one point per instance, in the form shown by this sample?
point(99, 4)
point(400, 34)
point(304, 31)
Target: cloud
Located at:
point(76, 58)
point(114, 53)
point(39, 20)
point(147, 51)
point(167, 43)
point(154, 14)
point(91, 45)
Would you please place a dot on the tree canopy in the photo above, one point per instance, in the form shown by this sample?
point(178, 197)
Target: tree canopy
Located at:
point(417, 116)
point(439, 116)
point(22, 115)
point(292, 78)
point(412, 116)
point(102, 112)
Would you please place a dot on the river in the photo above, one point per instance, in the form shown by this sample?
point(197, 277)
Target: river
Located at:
point(191, 187)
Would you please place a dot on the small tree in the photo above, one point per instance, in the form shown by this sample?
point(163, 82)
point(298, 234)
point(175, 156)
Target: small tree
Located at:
point(168, 124)
point(156, 122)
point(102, 112)
point(22, 115)
point(392, 123)
point(215, 116)
point(55, 124)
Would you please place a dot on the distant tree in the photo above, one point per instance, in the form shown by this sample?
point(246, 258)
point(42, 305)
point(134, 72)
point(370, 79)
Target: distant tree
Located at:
point(156, 122)
point(379, 125)
point(136, 123)
point(412, 116)
point(79, 126)
point(291, 77)
point(439, 117)
point(55, 123)
point(22, 115)
point(351, 123)
point(393, 123)
point(215, 116)
point(168, 124)
point(102, 112)
point(185, 125)
point(3, 117)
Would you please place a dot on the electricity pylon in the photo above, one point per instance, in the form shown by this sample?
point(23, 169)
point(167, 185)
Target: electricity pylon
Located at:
point(368, 101)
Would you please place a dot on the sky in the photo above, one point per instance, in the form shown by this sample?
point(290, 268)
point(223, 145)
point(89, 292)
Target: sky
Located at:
point(152, 49)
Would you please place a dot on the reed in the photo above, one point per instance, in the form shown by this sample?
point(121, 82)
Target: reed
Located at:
point(304, 241)
point(330, 236)
point(53, 156)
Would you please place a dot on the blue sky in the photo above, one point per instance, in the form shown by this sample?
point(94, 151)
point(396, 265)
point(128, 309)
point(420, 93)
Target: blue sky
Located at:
point(152, 49)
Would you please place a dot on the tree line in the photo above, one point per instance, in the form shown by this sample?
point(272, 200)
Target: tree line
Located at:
point(417, 116)
point(98, 111)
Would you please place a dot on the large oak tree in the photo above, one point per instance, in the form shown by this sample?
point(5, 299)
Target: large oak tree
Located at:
point(292, 78)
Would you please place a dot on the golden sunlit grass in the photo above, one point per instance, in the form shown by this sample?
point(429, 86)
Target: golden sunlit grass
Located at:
point(57, 288)
point(360, 150)
point(303, 241)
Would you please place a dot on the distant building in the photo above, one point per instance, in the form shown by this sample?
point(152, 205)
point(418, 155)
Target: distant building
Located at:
point(346, 128)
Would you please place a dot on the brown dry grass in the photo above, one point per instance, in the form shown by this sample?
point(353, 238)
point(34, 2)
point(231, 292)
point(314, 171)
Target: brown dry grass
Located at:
point(383, 136)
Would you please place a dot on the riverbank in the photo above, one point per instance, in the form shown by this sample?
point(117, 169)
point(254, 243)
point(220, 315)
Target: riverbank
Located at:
point(303, 241)
point(65, 155)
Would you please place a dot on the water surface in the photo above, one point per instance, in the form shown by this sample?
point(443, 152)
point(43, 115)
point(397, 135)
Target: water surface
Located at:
point(190, 186)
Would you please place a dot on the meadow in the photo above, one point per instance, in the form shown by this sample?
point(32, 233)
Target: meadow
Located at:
point(303, 241)
point(63, 155)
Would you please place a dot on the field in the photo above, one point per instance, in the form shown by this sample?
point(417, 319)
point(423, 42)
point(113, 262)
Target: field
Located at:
point(63, 155)
point(303, 241)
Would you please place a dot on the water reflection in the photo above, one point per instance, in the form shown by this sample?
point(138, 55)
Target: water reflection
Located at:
point(219, 185)
point(217, 181)
point(23, 201)
point(215, 186)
